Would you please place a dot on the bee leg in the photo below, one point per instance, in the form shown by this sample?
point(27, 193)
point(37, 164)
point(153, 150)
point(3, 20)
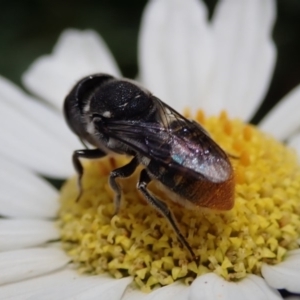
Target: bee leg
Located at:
point(122, 172)
point(232, 156)
point(162, 208)
point(83, 143)
point(85, 153)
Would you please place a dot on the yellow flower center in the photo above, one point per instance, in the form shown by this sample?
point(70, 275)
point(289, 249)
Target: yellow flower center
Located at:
point(263, 225)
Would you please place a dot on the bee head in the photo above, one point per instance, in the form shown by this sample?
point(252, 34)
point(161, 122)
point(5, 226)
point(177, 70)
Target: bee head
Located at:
point(77, 102)
point(100, 97)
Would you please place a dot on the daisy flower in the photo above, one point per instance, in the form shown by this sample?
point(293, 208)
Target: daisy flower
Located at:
point(189, 62)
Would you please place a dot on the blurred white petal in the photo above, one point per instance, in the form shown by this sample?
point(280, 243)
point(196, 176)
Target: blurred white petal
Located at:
point(175, 52)
point(176, 290)
point(245, 58)
point(25, 195)
point(211, 287)
point(285, 275)
point(22, 264)
point(33, 134)
point(26, 288)
point(76, 54)
point(134, 294)
point(17, 234)
point(86, 288)
point(294, 142)
point(283, 120)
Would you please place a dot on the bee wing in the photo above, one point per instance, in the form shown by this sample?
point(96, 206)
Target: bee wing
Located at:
point(176, 142)
point(150, 139)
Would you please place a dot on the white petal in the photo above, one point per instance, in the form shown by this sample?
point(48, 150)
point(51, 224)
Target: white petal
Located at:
point(294, 142)
point(33, 134)
point(211, 286)
point(76, 54)
point(176, 290)
point(132, 293)
point(16, 234)
point(286, 274)
point(27, 263)
point(175, 51)
point(283, 120)
point(86, 287)
point(25, 195)
point(26, 288)
point(245, 57)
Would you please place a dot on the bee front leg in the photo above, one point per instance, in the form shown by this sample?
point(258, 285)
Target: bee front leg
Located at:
point(162, 208)
point(85, 153)
point(122, 172)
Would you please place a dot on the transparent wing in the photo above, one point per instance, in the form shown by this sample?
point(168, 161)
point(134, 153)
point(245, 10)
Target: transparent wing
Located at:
point(174, 141)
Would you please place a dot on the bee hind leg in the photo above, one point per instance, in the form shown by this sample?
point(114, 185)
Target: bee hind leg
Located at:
point(122, 172)
point(162, 208)
point(85, 153)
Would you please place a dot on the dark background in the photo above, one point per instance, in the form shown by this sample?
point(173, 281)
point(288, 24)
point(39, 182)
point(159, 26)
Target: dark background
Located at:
point(30, 28)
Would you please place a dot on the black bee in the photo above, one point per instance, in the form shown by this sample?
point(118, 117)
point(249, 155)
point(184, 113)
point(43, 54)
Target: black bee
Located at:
point(121, 116)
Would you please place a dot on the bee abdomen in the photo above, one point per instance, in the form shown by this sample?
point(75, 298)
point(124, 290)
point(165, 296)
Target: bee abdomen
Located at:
point(191, 192)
